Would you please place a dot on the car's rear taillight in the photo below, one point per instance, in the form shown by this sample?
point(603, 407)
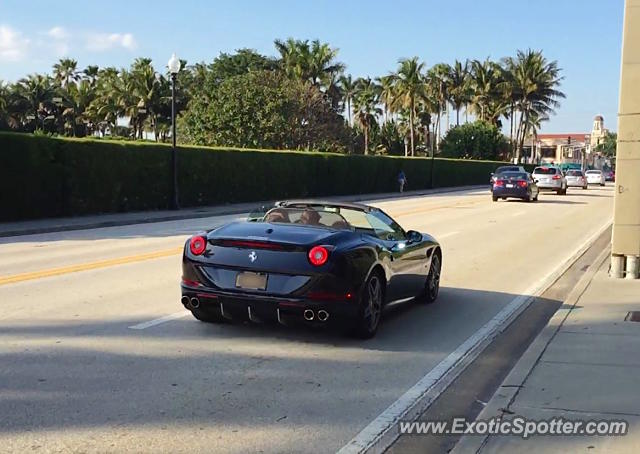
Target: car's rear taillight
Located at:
point(522, 184)
point(197, 245)
point(499, 183)
point(318, 255)
point(556, 177)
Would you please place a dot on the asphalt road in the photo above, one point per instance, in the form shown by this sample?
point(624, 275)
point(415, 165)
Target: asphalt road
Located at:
point(75, 376)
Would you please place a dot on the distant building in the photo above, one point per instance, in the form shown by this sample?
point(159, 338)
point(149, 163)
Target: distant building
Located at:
point(564, 148)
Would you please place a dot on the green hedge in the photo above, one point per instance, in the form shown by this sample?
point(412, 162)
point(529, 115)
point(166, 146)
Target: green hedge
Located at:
point(46, 177)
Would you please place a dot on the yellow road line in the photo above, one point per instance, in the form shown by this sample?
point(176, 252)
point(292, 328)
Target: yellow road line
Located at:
point(87, 266)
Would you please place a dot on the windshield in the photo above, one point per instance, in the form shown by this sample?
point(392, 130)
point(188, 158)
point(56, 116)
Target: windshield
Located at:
point(545, 171)
point(514, 175)
point(507, 169)
point(593, 172)
point(574, 173)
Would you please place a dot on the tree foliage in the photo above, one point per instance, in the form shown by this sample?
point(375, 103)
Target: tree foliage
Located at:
point(302, 99)
point(609, 145)
point(478, 140)
point(262, 109)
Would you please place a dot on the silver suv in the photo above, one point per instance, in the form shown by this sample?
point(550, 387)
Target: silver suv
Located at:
point(550, 178)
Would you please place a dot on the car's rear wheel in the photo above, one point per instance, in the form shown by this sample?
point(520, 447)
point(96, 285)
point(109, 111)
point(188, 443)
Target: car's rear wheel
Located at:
point(494, 198)
point(371, 308)
point(207, 316)
point(432, 286)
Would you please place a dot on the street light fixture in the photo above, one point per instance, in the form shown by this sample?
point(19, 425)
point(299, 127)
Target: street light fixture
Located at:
point(174, 68)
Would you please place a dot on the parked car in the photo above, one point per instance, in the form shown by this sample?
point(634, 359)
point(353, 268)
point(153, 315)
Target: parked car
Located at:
point(313, 262)
point(576, 179)
point(595, 177)
point(503, 169)
point(519, 185)
point(550, 178)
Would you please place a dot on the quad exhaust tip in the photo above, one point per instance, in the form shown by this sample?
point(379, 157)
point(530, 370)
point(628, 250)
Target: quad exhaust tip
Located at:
point(185, 301)
point(194, 302)
point(308, 315)
point(323, 315)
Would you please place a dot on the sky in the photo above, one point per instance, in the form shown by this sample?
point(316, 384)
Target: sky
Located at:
point(584, 36)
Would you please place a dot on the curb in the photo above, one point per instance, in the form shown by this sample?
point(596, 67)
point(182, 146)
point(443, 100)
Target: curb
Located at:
point(506, 394)
point(218, 211)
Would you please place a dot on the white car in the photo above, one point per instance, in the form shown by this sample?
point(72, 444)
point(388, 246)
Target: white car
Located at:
point(595, 177)
point(550, 178)
point(576, 179)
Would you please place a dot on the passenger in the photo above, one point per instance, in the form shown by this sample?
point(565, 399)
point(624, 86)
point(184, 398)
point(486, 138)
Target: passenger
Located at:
point(310, 217)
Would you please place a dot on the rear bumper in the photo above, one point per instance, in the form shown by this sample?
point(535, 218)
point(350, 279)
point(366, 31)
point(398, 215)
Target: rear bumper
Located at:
point(576, 183)
point(553, 186)
point(259, 308)
point(510, 192)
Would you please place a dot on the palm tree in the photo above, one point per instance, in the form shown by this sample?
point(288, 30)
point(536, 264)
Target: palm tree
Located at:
point(458, 86)
point(105, 109)
point(90, 73)
point(485, 79)
point(535, 81)
point(323, 64)
point(366, 110)
point(437, 83)
point(314, 63)
point(347, 87)
point(77, 100)
point(34, 98)
point(65, 71)
point(387, 94)
point(409, 87)
point(532, 127)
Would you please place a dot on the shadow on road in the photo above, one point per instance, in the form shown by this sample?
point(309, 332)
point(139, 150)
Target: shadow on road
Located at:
point(102, 375)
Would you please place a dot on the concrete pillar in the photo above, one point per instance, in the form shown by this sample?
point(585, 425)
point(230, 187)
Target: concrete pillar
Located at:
point(617, 266)
point(626, 217)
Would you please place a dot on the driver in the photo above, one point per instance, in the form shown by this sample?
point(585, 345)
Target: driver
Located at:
point(277, 215)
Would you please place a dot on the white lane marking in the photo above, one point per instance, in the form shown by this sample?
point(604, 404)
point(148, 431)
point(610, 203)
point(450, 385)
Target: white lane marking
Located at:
point(379, 434)
point(158, 321)
point(446, 235)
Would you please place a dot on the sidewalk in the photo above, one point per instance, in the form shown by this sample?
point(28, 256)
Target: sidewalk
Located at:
point(139, 217)
point(584, 365)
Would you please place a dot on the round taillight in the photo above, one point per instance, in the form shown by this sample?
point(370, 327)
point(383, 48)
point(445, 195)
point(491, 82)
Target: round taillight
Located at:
point(197, 245)
point(318, 255)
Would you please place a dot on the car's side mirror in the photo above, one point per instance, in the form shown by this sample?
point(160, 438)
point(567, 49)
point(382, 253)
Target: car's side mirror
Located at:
point(413, 236)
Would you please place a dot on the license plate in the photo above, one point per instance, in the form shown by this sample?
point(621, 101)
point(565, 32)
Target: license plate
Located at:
point(251, 281)
point(509, 185)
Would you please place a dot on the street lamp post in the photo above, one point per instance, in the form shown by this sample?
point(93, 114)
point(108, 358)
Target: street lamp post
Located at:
point(174, 68)
point(587, 147)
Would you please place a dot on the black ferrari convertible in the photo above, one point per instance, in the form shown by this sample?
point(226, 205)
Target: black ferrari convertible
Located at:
point(310, 261)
